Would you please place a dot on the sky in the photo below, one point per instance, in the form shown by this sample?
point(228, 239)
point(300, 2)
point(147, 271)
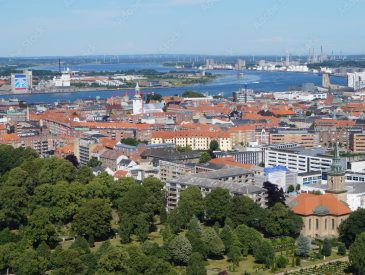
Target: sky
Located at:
point(217, 27)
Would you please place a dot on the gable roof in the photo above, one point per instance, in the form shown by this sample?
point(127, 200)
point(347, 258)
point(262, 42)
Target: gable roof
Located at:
point(308, 204)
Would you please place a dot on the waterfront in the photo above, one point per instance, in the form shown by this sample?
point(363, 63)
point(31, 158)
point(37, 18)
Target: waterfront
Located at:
point(226, 83)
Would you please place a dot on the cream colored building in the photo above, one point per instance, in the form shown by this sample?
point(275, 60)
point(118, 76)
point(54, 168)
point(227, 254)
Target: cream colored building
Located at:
point(197, 140)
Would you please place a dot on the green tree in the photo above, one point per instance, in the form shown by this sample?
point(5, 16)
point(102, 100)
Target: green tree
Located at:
point(61, 199)
point(357, 254)
point(195, 236)
point(341, 249)
point(196, 265)
point(40, 229)
point(226, 236)
point(141, 227)
point(214, 243)
point(281, 261)
point(189, 93)
point(154, 96)
point(274, 194)
point(8, 255)
point(18, 177)
point(54, 170)
point(291, 189)
point(192, 199)
point(234, 254)
point(176, 220)
point(131, 141)
point(214, 145)
point(243, 210)
point(158, 266)
point(352, 226)
point(12, 157)
point(94, 162)
point(327, 248)
point(84, 174)
point(167, 234)
point(125, 229)
point(7, 236)
point(69, 262)
point(205, 157)
point(29, 263)
point(281, 221)
point(13, 206)
point(179, 250)
point(133, 201)
point(156, 195)
point(216, 204)
point(264, 253)
point(93, 219)
point(114, 261)
point(303, 246)
point(44, 251)
point(185, 149)
point(249, 238)
point(81, 245)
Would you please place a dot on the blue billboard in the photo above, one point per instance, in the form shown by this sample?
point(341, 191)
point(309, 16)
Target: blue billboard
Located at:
point(20, 82)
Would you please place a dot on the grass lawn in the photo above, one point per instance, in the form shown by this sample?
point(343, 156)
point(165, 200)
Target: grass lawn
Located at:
point(248, 265)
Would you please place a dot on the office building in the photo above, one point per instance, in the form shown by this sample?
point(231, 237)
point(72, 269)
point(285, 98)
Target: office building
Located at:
point(298, 159)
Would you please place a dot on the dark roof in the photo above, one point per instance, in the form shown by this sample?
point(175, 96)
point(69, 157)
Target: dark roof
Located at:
point(169, 154)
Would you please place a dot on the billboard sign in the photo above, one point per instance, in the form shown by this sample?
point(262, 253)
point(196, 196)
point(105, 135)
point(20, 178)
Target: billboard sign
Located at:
point(20, 82)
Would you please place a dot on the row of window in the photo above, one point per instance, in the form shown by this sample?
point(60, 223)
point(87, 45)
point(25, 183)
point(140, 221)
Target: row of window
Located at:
point(317, 224)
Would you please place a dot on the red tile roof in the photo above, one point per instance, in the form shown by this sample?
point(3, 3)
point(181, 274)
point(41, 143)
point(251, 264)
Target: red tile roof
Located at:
point(305, 204)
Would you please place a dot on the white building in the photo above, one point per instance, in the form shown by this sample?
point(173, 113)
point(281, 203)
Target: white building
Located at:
point(299, 95)
point(137, 102)
point(356, 80)
point(298, 159)
point(64, 80)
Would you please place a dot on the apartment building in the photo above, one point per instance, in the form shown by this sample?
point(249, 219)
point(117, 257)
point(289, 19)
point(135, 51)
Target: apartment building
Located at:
point(206, 185)
point(303, 137)
point(357, 142)
point(196, 139)
point(169, 170)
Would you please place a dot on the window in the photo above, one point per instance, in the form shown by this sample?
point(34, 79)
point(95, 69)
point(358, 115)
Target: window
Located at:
point(317, 224)
point(325, 224)
point(310, 224)
point(333, 224)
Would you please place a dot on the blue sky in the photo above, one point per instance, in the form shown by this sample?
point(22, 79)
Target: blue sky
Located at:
point(224, 27)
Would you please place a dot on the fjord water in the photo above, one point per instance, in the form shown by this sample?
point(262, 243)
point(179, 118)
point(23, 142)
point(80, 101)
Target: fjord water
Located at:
point(226, 83)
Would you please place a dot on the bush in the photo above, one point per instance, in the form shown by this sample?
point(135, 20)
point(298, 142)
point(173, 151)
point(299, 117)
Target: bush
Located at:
point(281, 262)
point(327, 248)
point(341, 249)
point(297, 261)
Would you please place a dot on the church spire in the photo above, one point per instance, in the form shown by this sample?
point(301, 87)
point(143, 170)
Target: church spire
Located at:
point(336, 176)
point(336, 166)
point(137, 89)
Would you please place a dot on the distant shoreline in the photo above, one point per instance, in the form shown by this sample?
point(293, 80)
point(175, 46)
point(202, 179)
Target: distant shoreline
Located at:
point(89, 90)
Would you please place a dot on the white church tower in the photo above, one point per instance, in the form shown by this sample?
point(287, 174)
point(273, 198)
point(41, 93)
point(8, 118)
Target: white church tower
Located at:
point(137, 102)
